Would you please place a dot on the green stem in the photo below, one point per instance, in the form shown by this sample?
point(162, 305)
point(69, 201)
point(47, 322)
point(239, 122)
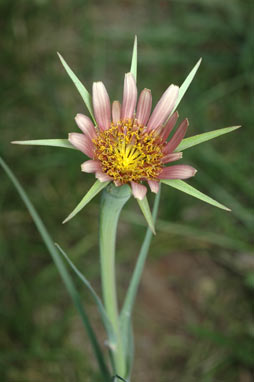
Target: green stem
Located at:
point(113, 200)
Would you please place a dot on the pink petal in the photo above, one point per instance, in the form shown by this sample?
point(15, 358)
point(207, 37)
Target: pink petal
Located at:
point(116, 111)
point(178, 171)
point(177, 137)
point(164, 107)
point(144, 107)
point(172, 157)
point(102, 176)
point(154, 186)
point(166, 130)
point(138, 190)
point(91, 166)
point(101, 105)
point(129, 97)
point(86, 125)
point(82, 143)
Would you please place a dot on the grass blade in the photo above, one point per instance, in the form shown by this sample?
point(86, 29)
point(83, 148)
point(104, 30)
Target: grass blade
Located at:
point(94, 190)
point(61, 268)
point(47, 142)
point(185, 187)
point(134, 59)
point(144, 206)
point(81, 88)
point(200, 138)
point(103, 313)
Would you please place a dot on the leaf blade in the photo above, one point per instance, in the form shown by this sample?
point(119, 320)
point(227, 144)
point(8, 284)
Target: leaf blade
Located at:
point(126, 312)
point(46, 142)
point(188, 189)
point(80, 87)
point(92, 192)
point(101, 309)
point(134, 59)
point(144, 206)
point(200, 138)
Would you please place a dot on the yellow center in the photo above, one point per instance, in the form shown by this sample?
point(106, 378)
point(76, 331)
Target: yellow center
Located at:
point(128, 152)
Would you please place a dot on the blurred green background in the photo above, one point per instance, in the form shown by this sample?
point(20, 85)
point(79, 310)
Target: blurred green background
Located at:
point(194, 314)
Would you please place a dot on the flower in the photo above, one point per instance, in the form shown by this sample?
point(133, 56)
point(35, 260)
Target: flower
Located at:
point(129, 143)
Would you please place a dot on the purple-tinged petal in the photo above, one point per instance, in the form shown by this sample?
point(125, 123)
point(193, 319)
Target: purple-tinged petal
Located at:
point(177, 137)
point(172, 157)
point(144, 107)
point(166, 130)
point(129, 97)
point(138, 190)
point(91, 166)
point(82, 143)
point(101, 106)
point(116, 111)
point(164, 107)
point(154, 185)
point(178, 171)
point(102, 176)
point(86, 125)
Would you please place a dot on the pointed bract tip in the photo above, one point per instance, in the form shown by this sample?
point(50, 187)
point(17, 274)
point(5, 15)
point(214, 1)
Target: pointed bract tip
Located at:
point(233, 128)
point(60, 56)
point(67, 219)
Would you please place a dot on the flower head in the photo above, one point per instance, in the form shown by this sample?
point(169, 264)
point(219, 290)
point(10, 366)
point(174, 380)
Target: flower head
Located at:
point(129, 143)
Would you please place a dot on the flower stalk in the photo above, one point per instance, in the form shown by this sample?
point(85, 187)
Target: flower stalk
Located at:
point(113, 200)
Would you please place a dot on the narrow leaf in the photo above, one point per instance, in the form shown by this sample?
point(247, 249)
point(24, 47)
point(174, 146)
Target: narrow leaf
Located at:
point(200, 138)
point(186, 84)
point(144, 206)
point(129, 349)
point(134, 59)
point(61, 268)
point(103, 313)
point(94, 190)
point(126, 312)
point(81, 88)
point(47, 142)
point(185, 187)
